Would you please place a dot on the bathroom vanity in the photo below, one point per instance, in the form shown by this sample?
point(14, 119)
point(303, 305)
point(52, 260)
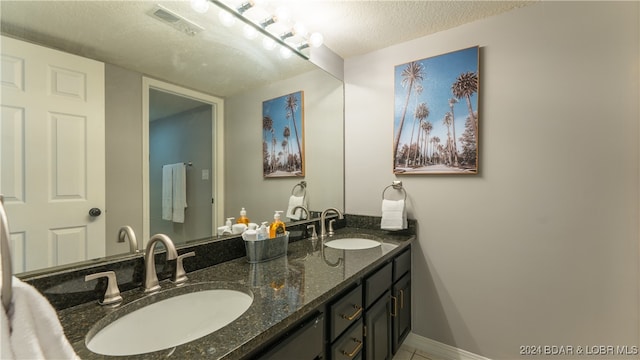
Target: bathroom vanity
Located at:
point(316, 302)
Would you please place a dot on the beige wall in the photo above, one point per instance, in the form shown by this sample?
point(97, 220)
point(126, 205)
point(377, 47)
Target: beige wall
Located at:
point(123, 131)
point(323, 134)
point(541, 248)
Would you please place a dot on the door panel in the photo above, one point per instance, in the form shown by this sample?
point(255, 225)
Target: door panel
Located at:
point(52, 153)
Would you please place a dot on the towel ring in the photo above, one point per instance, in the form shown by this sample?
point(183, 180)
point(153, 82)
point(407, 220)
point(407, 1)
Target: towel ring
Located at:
point(397, 185)
point(303, 188)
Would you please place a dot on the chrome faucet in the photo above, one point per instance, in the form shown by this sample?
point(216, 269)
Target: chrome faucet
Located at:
point(127, 231)
point(303, 209)
point(150, 276)
point(323, 230)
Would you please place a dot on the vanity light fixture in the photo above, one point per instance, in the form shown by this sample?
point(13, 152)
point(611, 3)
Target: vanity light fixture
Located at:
point(272, 26)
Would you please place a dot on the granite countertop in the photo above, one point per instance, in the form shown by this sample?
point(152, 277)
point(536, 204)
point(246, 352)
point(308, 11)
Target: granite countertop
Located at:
point(285, 290)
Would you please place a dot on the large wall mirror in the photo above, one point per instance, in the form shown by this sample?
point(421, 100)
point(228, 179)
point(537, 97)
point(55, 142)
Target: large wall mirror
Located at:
point(142, 47)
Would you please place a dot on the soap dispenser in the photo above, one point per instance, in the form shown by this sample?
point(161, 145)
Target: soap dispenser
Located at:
point(277, 227)
point(263, 232)
point(228, 225)
point(243, 219)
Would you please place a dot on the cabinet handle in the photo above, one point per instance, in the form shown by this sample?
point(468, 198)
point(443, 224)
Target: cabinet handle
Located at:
point(401, 299)
point(394, 309)
point(355, 351)
point(354, 315)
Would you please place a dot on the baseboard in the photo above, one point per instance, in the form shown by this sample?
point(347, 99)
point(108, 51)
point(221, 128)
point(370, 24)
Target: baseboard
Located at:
point(438, 350)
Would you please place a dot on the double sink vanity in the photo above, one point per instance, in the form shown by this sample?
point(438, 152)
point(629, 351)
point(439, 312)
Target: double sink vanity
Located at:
point(343, 297)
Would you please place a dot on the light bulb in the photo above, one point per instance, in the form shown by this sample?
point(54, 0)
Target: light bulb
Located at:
point(226, 18)
point(200, 6)
point(300, 29)
point(316, 39)
point(285, 52)
point(282, 13)
point(250, 32)
point(268, 43)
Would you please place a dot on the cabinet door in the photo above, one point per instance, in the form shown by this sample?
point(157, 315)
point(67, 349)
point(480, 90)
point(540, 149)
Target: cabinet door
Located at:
point(401, 310)
point(378, 329)
point(377, 283)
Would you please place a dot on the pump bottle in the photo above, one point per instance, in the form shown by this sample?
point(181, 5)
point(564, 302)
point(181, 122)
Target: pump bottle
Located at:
point(277, 227)
point(243, 219)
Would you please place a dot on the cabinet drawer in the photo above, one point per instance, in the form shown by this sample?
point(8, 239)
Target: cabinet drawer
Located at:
point(345, 312)
point(377, 284)
point(401, 265)
point(349, 346)
point(303, 342)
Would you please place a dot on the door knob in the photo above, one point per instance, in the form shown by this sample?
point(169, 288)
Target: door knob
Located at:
point(94, 212)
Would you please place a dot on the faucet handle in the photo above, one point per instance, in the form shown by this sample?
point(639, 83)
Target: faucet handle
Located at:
point(112, 294)
point(180, 275)
point(331, 222)
point(314, 234)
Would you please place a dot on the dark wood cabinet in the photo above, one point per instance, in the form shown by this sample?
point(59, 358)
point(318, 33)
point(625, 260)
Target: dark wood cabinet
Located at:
point(349, 345)
point(377, 323)
point(369, 320)
point(305, 341)
point(401, 311)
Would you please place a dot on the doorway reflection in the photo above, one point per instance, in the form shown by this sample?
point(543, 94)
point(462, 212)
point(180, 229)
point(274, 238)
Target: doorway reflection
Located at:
point(180, 132)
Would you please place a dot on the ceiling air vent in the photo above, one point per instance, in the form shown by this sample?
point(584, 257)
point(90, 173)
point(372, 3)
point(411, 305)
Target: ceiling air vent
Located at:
point(174, 20)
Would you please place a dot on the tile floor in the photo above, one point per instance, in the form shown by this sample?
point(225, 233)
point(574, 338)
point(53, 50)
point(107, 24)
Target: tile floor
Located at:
point(408, 353)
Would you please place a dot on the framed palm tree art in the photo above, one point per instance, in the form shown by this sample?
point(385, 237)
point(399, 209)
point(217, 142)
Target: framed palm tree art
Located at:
point(283, 136)
point(436, 114)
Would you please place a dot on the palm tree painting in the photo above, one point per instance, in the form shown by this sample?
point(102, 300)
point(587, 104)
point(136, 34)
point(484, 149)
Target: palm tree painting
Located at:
point(283, 124)
point(436, 114)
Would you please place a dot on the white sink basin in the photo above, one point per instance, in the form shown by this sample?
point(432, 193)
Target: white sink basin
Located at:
point(352, 244)
point(170, 322)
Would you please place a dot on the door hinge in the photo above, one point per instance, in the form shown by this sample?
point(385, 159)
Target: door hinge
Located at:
point(364, 330)
point(213, 202)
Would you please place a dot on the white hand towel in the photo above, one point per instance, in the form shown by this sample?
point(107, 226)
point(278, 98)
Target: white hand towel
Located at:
point(179, 192)
point(394, 216)
point(36, 332)
point(293, 202)
point(6, 353)
point(167, 192)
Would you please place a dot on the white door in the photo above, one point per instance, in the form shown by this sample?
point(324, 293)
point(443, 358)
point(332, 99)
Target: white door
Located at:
point(52, 153)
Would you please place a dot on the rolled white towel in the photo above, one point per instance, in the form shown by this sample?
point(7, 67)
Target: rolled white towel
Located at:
point(394, 216)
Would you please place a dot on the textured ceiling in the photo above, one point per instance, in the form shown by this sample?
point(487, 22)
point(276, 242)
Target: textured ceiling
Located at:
point(356, 27)
point(219, 60)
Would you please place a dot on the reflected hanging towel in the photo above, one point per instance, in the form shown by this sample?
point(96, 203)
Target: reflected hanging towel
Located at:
point(174, 192)
point(167, 192)
point(179, 192)
point(293, 202)
point(394, 216)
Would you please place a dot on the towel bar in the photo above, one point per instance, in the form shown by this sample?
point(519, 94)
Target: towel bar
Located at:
point(5, 253)
point(396, 185)
point(303, 188)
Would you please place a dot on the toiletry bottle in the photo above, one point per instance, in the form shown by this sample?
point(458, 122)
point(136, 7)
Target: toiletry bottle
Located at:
point(228, 223)
point(243, 219)
point(263, 232)
point(277, 227)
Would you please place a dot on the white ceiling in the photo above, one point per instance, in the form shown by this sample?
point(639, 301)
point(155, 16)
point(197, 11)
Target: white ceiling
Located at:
point(219, 61)
point(356, 27)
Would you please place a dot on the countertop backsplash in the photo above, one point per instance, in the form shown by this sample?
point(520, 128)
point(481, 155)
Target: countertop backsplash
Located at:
point(67, 288)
